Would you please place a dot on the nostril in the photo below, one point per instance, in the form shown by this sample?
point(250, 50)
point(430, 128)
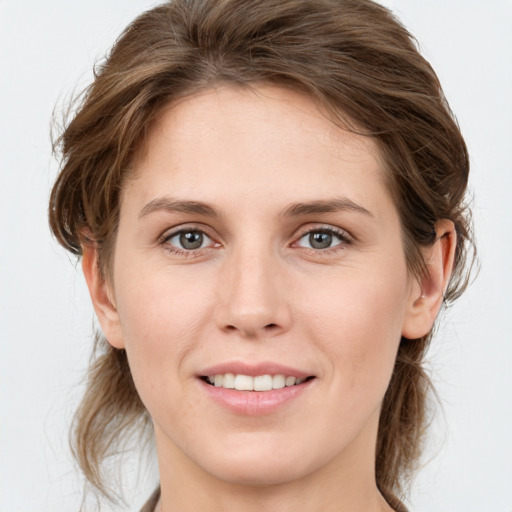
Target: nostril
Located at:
point(252, 331)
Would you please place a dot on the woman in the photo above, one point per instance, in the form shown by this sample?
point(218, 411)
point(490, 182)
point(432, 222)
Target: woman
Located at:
point(268, 199)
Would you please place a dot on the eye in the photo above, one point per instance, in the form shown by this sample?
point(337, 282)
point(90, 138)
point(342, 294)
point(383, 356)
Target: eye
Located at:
point(322, 239)
point(188, 240)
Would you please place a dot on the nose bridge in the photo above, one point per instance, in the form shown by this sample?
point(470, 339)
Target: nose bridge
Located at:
point(252, 298)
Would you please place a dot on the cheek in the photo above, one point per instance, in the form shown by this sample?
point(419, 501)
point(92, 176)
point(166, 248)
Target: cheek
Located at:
point(162, 318)
point(153, 302)
point(357, 321)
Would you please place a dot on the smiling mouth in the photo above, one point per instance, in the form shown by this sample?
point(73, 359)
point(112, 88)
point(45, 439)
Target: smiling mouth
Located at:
point(240, 382)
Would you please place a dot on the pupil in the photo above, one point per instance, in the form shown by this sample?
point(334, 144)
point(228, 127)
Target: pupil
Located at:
point(191, 240)
point(320, 240)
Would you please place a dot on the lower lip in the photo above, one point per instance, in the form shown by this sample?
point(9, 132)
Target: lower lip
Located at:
point(255, 403)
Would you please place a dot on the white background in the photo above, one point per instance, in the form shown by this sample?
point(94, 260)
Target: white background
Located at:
point(47, 48)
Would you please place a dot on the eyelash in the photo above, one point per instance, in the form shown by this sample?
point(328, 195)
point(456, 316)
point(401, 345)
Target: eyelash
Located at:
point(343, 237)
point(165, 240)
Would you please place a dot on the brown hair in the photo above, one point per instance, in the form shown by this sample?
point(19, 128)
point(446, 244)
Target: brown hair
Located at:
point(361, 66)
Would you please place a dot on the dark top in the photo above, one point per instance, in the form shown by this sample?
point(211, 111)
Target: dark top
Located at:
point(150, 505)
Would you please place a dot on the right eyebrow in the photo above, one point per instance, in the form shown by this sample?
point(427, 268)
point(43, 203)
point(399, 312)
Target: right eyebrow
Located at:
point(337, 204)
point(168, 204)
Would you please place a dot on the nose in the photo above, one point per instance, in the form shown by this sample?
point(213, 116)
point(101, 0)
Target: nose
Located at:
point(253, 295)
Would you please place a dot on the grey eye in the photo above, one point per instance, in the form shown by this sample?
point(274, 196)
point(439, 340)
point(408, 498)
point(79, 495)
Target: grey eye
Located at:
point(189, 240)
point(321, 239)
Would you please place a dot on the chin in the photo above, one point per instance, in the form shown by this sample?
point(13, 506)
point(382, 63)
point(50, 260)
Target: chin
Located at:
point(258, 473)
point(262, 463)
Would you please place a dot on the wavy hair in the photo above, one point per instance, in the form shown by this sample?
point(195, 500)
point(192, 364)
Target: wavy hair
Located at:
point(364, 70)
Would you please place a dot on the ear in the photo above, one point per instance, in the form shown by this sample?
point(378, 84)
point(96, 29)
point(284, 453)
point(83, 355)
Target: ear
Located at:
point(428, 291)
point(102, 297)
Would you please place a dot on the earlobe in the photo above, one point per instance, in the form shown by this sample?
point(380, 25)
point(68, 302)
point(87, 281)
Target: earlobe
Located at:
point(102, 297)
point(427, 292)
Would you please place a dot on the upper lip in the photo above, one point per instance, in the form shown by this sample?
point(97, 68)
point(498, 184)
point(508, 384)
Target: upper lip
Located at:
point(254, 369)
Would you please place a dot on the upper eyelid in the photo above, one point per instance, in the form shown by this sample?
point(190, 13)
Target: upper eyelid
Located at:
point(305, 230)
point(170, 233)
point(299, 233)
point(183, 228)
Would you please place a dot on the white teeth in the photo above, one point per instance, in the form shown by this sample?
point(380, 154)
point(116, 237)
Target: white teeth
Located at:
point(229, 381)
point(244, 383)
point(278, 381)
point(263, 383)
point(290, 381)
point(248, 383)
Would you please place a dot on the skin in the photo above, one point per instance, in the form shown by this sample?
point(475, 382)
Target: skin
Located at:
point(256, 290)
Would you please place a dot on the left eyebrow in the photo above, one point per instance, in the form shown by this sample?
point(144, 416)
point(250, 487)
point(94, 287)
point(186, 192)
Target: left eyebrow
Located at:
point(338, 204)
point(168, 204)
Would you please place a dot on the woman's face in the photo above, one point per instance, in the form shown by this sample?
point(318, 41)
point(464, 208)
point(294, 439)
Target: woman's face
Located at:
point(258, 245)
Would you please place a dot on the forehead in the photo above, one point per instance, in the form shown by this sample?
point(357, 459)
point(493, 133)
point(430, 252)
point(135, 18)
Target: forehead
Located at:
point(267, 138)
point(236, 110)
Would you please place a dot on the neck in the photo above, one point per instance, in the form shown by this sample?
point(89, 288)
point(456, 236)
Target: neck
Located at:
point(277, 499)
point(346, 485)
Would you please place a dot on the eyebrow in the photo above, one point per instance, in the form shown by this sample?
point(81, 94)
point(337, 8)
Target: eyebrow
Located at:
point(171, 205)
point(338, 204)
